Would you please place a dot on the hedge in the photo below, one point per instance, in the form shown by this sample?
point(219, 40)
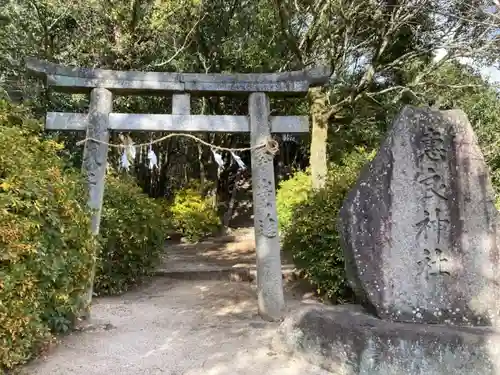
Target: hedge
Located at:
point(132, 236)
point(309, 224)
point(47, 248)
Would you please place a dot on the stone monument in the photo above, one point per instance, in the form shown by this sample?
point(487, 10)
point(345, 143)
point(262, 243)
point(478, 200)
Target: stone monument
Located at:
point(419, 232)
point(420, 226)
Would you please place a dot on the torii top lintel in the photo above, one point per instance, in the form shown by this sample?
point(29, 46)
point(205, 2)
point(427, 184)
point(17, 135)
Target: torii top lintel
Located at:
point(75, 79)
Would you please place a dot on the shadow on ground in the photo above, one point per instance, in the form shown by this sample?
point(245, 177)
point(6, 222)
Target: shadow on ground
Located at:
point(176, 327)
point(236, 250)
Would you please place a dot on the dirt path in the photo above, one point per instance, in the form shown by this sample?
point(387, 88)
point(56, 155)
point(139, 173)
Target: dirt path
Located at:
point(176, 327)
point(234, 251)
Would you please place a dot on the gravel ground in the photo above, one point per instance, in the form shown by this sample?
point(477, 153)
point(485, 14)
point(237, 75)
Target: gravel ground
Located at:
point(177, 328)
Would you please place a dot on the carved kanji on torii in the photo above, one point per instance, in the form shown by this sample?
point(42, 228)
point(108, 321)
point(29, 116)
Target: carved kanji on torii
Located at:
point(101, 119)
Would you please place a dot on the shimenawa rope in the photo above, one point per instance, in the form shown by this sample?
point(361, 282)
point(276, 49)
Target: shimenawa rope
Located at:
point(270, 144)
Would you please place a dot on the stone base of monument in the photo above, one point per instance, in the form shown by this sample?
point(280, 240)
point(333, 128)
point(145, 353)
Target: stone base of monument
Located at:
point(346, 341)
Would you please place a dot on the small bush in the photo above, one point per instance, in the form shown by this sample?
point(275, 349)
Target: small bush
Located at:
point(46, 246)
point(292, 193)
point(193, 215)
point(132, 235)
point(311, 235)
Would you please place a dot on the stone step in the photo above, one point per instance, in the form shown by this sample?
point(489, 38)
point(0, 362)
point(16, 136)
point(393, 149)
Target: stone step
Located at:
point(243, 274)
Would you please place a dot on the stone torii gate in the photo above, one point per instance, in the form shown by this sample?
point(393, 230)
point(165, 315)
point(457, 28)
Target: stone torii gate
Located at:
point(101, 119)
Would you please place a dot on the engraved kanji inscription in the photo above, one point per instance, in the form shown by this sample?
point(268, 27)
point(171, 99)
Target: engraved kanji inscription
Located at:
point(434, 263)
point(433, 142)
point(434, 184)
point(437, 222)
point(264, 208)
point(424, 225)
point(441, 223)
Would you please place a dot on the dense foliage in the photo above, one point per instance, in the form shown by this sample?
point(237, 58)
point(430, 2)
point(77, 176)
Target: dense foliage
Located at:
point(132, 236)
point(310, 225)
point(193, 215)
point(46, 246)
point(291, 194)
point(380, 52)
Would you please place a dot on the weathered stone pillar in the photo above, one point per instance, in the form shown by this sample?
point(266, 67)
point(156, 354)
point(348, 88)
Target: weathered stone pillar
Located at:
point(95, 161)
point(269, 279)
point(181, 104)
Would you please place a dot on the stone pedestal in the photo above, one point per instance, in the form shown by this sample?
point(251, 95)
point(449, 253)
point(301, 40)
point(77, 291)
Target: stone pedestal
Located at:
point(347, 341)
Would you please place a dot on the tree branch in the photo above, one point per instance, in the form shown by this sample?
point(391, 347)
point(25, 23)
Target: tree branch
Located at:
point(283, 20)
point(185, 44)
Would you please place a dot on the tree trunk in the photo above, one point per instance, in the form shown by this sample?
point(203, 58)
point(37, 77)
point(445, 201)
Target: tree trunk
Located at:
point(232, 200)
point(319, 136)
point(201, 165)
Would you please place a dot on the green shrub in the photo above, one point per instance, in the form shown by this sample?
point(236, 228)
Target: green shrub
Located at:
point(132, 235)
point(46, 246)
point(311, 235)
point(292, 193)
point(193, 215)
